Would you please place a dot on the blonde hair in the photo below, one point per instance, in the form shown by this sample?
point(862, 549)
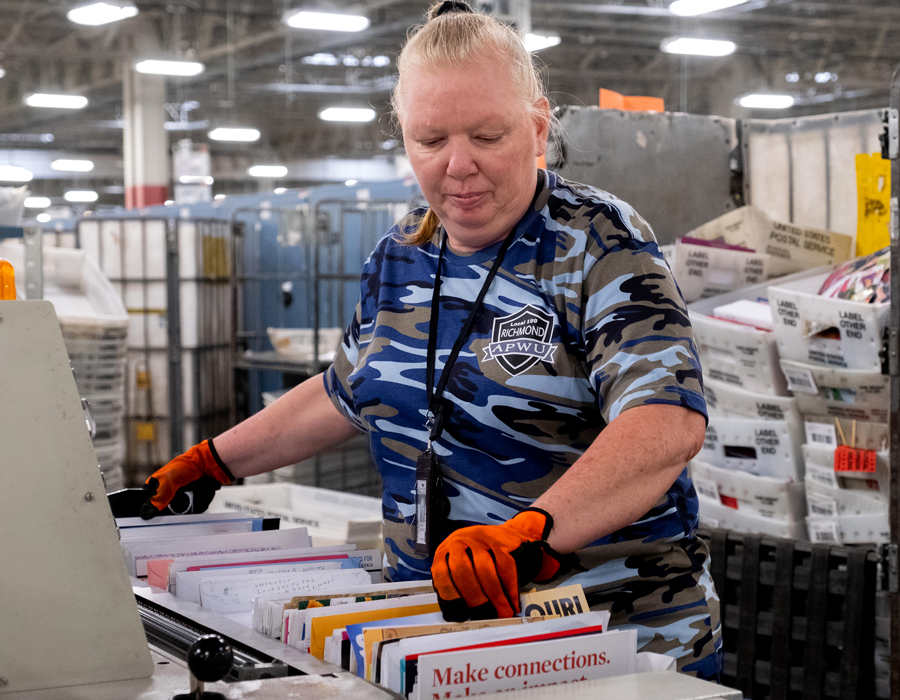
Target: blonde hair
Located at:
point(451, 40)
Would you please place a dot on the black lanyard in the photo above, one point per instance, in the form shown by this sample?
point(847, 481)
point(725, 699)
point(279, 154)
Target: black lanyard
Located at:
point(437, 406)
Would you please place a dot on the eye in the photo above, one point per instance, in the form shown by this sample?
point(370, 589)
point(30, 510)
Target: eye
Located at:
point(489, 139)
point(430, 143)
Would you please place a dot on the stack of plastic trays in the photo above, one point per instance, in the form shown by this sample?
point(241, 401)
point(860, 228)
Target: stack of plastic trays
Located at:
point(97, 354)
point(94, 325)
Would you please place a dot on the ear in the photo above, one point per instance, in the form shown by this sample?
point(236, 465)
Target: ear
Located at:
point(541, 125)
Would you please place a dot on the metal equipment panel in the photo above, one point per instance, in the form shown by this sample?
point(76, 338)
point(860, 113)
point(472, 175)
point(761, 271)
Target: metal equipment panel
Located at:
point(68, 613)
point(803, 170)
point(674, 169)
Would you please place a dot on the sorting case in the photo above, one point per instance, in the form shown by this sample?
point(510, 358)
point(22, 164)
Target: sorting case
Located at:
point(830, 332)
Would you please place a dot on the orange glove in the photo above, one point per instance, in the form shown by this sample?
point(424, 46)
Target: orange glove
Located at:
point(199, 469)
point(478, 570)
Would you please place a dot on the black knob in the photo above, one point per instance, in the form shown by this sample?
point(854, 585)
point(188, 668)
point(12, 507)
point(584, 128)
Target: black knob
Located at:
point(210, 658)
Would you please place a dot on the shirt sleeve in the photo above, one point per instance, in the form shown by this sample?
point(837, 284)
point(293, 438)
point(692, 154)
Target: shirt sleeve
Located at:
point(639, 344)
point(337, 377)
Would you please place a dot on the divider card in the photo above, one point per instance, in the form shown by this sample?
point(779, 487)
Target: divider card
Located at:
point(356, 631)
point(227, 596)
point(168, 568)
point(193, 525)
point(139, 553)
point(188, 582)
point(587, 623)
point(368, 633)
point(180, 520)
point(276, 618)
point(525, 665)
point(321, 622)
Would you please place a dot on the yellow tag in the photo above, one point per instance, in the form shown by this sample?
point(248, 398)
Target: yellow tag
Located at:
point(873, 188)
point(143, 381)
point(554, 602)
point(144, 432)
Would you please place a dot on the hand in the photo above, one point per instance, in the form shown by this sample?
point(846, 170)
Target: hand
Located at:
point(478, 570)
point(199, 468)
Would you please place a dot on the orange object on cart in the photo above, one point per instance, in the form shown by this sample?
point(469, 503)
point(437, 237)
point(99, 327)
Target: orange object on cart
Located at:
point(7, 281)
point(609, 99)
point(850, 459)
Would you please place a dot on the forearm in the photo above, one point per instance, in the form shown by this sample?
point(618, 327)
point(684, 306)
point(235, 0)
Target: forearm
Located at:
point(299, 425)
point(624, 473)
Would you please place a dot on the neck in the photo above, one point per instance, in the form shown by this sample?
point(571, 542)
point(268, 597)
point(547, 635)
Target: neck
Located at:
point(472, 246)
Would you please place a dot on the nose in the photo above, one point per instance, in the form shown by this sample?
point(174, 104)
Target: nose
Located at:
point(461, 163)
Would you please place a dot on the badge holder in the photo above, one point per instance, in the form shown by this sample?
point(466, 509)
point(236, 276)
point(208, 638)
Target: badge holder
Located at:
point(432, 506)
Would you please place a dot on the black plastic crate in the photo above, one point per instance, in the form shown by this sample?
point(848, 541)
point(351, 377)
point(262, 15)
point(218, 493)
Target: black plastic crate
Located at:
point(798, 619)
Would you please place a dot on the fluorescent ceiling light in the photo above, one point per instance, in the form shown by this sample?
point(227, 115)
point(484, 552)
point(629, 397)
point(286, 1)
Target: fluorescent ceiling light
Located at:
point(234, 134)
point(325, 20)
point(94, 14)
point(44, 217)
point(43, 99)
point(186, 126)
point(766, 101)
point(37, 202)
point(178, 68)
point(195, 179)
point(347, 114)
point(350, 183)
point(13, 173)
point(697, 47)
point(280, 190)
point(690, 8)
point(321, 59)
point(2, 72)
point(536, 42)
point(219, 197)
point(72, 166)
point(267, 171)
point(80, 196)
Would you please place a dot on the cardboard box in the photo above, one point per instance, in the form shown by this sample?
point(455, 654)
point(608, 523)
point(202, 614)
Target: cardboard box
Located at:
point(790, 248)
point(842, 393)
point(714, 514)
point(729, 401)
point(819, 463)
point(329, 516)
point(704, 271)
point(739, 355)
point(297, 343)
point(828, 332)
point(755, 446)
point(850, 529)
point(767, 497)
point(828, 502)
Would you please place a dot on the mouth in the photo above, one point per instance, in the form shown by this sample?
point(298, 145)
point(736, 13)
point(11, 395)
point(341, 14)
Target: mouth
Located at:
point(467, 198)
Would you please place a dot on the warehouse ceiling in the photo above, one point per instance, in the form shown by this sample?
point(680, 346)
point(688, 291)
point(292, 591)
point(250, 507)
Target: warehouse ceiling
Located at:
point(831, 55)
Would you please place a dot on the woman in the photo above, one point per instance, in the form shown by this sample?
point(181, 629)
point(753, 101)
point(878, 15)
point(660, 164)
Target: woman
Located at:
point(523, 363)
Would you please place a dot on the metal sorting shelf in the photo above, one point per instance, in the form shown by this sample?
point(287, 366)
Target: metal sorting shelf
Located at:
point(299, 268)
point(174, 278)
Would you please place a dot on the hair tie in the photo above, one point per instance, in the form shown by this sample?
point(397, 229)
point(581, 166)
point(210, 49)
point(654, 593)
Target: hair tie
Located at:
point(452, 6)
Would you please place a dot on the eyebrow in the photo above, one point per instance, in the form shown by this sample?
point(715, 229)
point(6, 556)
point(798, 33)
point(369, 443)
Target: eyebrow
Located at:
point(493, 122)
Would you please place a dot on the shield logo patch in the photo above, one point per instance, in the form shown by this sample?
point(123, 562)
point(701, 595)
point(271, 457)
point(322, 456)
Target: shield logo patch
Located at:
point(521, 340)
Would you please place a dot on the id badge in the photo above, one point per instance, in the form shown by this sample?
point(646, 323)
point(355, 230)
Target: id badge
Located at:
point(426, 488)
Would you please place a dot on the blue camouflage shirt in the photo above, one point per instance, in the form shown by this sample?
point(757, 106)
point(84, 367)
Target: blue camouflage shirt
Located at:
point(582, 322)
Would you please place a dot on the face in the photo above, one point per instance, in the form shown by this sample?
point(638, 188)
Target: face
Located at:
point(472, 143)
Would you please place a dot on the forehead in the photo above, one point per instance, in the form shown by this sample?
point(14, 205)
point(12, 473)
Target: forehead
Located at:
point(481, 89)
